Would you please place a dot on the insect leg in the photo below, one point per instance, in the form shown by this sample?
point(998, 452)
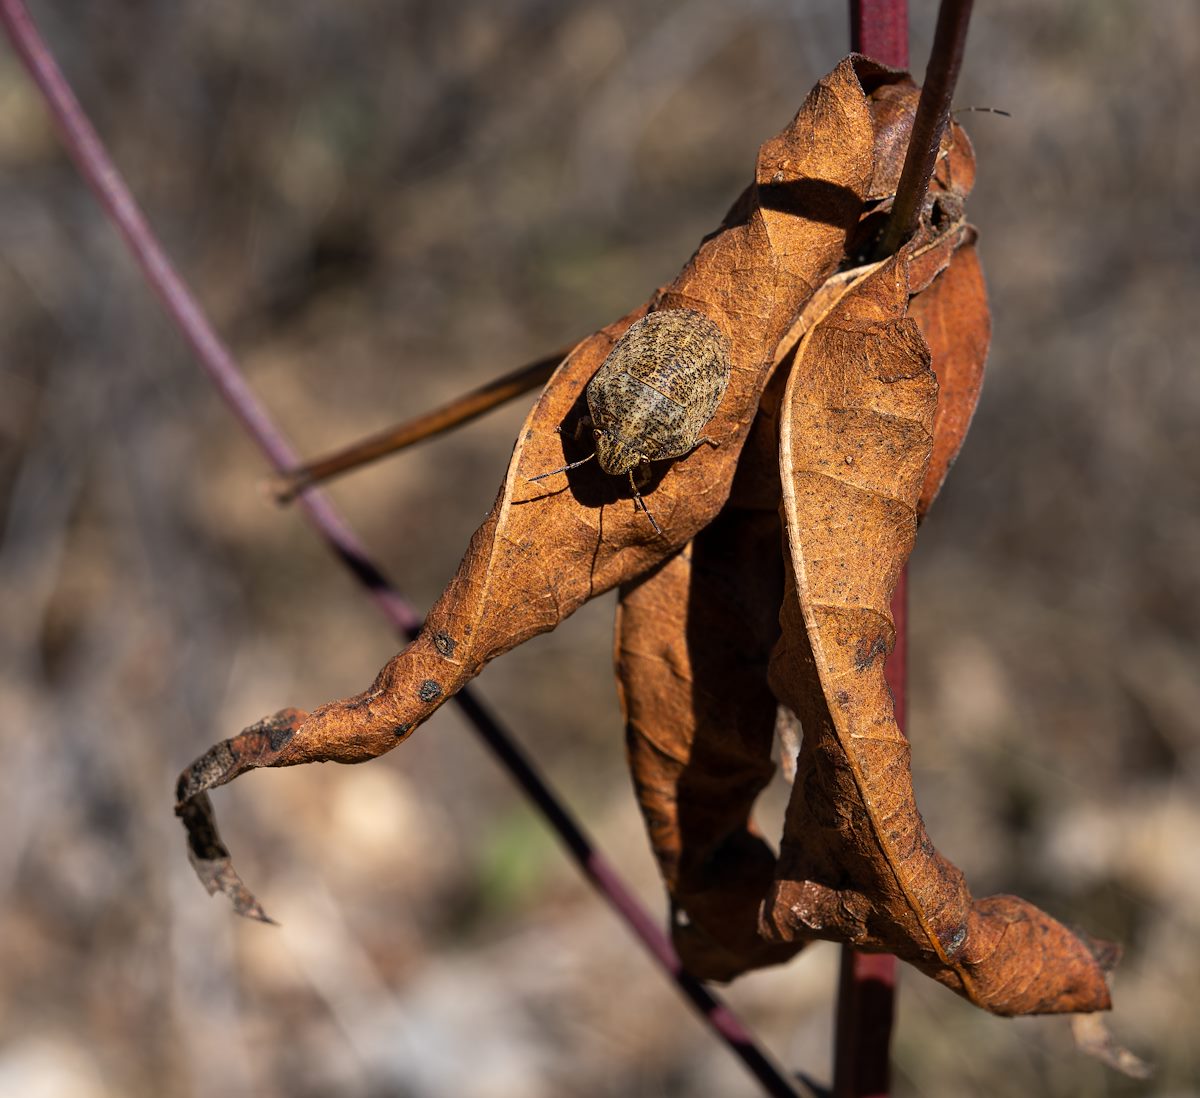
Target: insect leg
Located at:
point(642, 504)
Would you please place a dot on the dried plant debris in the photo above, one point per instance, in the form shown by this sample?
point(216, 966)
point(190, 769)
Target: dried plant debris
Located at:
point(855, 864)
point(1093, 1037)
point(700, 716)
point(206, 850)
point(785, 475)
point(547, 548)
point(953, 316)
point(693, 641)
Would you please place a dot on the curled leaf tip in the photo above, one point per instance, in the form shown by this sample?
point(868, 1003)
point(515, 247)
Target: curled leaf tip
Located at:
point(210, 857)
point(259, 745)
point(220, 876)
point(1093, 1037)
point(1106, 954)
point(212, 768)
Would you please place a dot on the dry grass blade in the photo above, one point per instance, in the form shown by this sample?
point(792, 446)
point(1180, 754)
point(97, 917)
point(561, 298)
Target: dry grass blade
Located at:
point(461, 410)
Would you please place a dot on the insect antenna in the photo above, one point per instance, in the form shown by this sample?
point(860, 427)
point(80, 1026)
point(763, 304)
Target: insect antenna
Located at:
point(982, 110)
point(563, 469)
point(642, 504)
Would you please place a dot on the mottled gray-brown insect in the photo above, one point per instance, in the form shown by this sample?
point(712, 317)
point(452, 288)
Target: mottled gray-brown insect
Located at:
point(654, 394)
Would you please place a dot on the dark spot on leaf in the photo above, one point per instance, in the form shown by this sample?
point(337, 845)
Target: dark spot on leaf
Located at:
point(403, 730)
point(864, 654)
point(279, 734)
point(444, 643)
point(429, 690)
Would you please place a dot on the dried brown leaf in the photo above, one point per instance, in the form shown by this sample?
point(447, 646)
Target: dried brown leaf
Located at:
point(693, 641)
point(699, 753)
point(546, 548)
point(953, 316)
point(856, 864)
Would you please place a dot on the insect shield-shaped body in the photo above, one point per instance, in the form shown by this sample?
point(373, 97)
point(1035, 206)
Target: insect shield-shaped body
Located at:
point(655, 393)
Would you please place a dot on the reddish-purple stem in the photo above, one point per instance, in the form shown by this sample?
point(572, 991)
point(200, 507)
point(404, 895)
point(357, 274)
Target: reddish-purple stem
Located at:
point(933, 114)
point(879, 28)
point(215, 359)
point(866, 1001)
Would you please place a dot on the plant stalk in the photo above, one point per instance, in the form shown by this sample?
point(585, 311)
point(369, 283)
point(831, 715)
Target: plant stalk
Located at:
point(933, 113)
point(879, 28)
point(866, 996)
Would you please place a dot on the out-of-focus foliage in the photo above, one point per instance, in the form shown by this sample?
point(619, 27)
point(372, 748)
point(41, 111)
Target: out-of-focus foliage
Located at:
point(384, 205)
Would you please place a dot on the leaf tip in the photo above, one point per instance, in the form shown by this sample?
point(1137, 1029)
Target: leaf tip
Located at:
point(1093, 1036)
point(210, 858)
point(218, 875)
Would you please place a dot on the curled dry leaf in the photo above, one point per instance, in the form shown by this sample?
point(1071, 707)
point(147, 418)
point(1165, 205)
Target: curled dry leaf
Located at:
point(700, 752)
point(546, 548)
point(953, 316)
point(856, 864)
point(693, 641)
point(692, 638)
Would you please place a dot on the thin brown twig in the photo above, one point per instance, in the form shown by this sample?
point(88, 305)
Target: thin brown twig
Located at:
point(460, 410)
point(933, 112)
point(214, 357)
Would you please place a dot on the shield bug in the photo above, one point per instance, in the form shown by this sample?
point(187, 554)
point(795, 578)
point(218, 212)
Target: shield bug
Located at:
point(654, 394)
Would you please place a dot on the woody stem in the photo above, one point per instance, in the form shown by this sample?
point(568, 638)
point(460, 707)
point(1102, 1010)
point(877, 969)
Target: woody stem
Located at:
point(866, 982)
point(933, 112)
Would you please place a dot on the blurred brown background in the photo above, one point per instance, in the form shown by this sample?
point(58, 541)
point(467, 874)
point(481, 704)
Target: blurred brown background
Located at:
point(383, 204)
